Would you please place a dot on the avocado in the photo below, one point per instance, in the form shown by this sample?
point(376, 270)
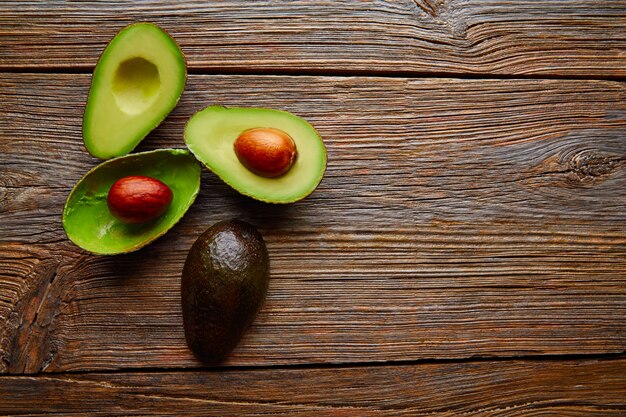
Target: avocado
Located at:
point(138, 80)
point(89, 222)
point(224, 282)
point(263, 166)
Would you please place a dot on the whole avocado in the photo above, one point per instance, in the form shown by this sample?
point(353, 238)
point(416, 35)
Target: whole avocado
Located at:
point(224, 282)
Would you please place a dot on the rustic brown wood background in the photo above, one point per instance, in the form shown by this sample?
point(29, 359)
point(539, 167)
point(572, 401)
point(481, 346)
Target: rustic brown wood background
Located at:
point(464, 254)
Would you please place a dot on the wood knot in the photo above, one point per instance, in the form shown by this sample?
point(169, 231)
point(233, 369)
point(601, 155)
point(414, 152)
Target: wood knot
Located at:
point(576, 165)
point(427, 7)
point(588, 165)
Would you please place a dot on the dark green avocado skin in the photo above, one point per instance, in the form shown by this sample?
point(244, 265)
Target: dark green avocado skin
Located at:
point(224, 282)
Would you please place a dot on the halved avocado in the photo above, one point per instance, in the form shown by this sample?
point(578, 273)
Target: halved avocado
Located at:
point(211, 133)
point(138, 80)
point(88, 221)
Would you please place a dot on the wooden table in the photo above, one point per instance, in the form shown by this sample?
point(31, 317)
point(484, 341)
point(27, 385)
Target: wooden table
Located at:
point(465, 253)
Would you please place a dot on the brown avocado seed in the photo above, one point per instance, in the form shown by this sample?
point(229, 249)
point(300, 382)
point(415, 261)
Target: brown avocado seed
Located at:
point(138, 199)
point(266, 151)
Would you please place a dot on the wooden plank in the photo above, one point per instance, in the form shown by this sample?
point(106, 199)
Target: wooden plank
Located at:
point(457, 218)
point(582, 38)
point(500, 388)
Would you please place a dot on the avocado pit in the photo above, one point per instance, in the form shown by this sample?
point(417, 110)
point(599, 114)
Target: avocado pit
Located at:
point(266, 151)
point(138, 199)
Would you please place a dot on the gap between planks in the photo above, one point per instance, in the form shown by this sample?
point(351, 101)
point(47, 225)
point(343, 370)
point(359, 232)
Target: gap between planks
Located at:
point(327, 73)
point(338, 365)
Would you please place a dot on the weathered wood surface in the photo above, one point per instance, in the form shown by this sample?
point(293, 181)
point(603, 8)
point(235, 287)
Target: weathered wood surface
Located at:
point(582, 38)
point(457, 218)
point(499, 388)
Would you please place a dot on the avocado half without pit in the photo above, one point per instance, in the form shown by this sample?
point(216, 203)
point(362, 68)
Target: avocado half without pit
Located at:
point(127, 202)
point(137, 82)
point(270, 155)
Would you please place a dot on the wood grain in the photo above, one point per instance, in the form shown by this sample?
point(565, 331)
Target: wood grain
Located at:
point(581, 38)
point(457, 218)
point(500, 388)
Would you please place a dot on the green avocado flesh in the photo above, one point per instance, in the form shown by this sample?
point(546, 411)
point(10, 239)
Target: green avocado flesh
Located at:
point(88, 221)
point(211, 133)
point(224, 282)
point(137, 82)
